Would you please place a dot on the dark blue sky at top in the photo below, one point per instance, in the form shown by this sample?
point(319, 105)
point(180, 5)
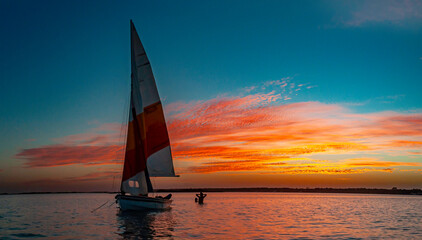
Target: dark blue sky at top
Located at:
point(66, 64)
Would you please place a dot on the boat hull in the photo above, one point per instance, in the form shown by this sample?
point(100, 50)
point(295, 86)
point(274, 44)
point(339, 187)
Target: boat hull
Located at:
point(142, 203)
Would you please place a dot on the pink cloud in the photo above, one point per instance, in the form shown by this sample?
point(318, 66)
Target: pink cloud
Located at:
point(95, 176)
point(255, 132)
point(393, 11)
point(105, 134)
point(100, 146)
point(61, 155)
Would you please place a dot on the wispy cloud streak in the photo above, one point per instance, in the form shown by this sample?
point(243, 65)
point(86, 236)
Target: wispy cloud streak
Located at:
point(258, 131)
point(100, 146)
point(245, 133)
point(377, 11)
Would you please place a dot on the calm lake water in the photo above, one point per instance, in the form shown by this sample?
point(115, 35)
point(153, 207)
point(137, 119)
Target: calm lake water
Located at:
point(223, 216)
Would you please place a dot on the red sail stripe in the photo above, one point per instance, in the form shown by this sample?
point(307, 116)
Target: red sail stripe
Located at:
point(135, 160)
point(156, 130)
point(152, 140)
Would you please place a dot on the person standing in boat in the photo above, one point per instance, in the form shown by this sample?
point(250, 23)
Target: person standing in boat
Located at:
point(201, 197)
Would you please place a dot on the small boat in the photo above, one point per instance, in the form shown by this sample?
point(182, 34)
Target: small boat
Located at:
point(148, 152)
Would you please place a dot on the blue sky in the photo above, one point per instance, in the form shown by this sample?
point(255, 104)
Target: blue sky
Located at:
point(65, 66)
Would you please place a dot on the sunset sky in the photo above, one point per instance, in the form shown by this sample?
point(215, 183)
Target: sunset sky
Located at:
point(256, 93)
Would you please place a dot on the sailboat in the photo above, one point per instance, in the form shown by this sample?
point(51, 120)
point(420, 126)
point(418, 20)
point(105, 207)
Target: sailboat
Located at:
point(148, 152)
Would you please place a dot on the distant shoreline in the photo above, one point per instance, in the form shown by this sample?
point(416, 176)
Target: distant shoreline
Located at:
point(295, 190)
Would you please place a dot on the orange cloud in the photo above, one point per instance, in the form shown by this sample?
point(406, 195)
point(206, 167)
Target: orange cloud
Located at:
point(404, 143)
point(231, 166)
point(336, 171)
point(412, 170)
point(258, 128)
point(381, 164)
point(282, 168)
point(254, 133)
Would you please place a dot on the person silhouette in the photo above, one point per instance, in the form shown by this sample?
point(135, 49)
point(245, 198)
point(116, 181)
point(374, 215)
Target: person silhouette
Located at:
point(201, 197)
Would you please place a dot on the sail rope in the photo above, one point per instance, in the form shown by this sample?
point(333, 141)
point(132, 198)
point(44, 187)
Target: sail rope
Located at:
point(122, 138)
point(112, 203)
point(100, 206)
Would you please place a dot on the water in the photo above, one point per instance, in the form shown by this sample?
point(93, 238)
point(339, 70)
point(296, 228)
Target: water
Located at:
point(223, 216)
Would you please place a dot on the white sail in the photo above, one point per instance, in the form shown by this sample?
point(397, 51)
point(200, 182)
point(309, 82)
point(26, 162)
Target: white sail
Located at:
point(148, 151)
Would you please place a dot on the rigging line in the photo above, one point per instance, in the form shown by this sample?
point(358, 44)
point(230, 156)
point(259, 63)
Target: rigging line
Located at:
point(111, 204)
point(100, 206)
point(122, 135)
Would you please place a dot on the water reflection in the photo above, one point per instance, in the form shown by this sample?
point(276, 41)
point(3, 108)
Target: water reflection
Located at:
point(223, 216)
point(145, 224)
